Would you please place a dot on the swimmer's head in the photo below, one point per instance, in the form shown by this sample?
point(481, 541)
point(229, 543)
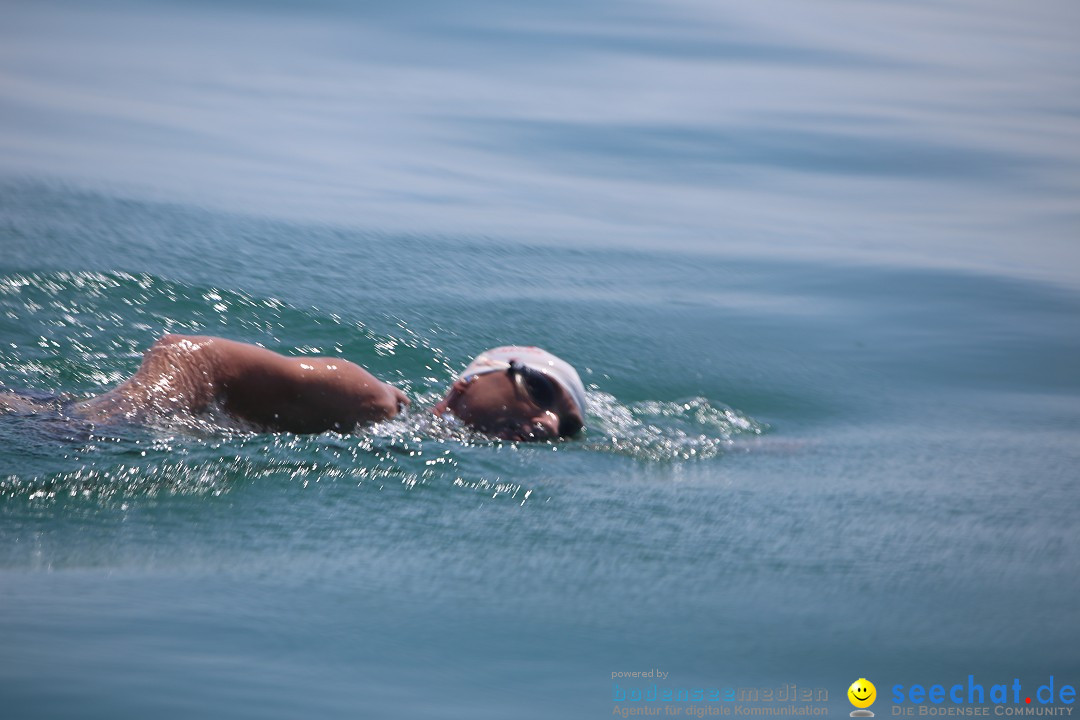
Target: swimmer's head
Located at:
point(518, 393)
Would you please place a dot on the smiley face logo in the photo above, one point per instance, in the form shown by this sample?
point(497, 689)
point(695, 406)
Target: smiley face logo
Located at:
point(862, 693)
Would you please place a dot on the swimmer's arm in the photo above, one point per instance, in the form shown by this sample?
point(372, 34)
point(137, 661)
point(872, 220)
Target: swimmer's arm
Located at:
point(300, 394)
point(177, 374)
point(186, 373)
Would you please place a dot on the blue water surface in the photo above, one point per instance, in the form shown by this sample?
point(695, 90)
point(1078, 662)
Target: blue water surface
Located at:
point(816, 262)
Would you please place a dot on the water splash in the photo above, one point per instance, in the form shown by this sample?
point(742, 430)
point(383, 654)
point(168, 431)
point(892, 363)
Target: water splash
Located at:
point(659, 431)
point(79, 332)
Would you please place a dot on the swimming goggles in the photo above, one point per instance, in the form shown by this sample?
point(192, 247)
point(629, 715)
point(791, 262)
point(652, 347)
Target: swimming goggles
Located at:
point(537, 385)
point(539, 388)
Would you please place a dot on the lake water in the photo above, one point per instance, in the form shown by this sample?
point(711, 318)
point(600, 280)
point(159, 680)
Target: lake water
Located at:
point(817, 263)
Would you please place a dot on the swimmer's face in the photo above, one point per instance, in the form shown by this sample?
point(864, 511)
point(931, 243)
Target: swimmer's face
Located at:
point(497, 404)
point(862, 693)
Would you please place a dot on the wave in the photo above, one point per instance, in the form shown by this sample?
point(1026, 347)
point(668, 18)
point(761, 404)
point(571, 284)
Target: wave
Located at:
point(76, 333)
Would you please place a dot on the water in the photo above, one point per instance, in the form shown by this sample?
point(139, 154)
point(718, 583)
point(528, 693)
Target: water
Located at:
point(816, 263)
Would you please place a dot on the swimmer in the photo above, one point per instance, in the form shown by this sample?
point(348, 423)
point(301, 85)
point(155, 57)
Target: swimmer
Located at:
point(183, 374)
point(517, 393)
point(513, 392)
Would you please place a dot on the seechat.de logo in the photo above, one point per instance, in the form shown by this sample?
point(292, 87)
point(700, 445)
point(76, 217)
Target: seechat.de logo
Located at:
point(862, 695)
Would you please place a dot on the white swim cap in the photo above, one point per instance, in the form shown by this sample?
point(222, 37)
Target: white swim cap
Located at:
point(554, 367)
